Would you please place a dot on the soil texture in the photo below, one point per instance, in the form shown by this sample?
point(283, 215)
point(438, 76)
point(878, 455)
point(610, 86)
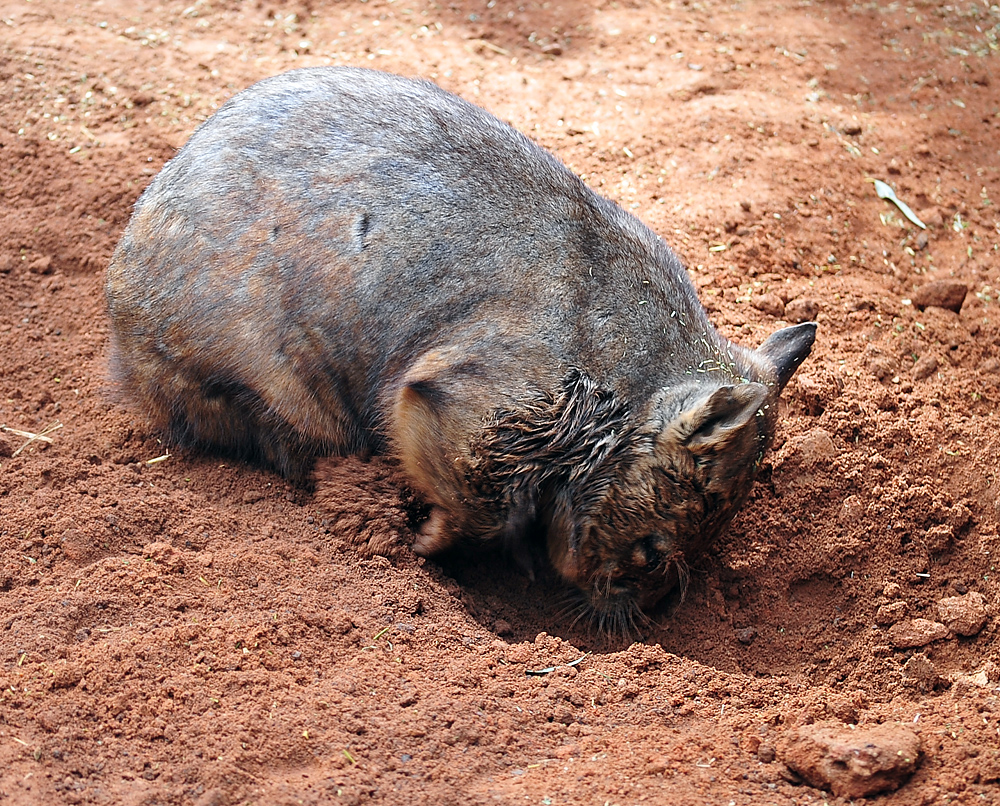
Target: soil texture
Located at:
point(178, 629)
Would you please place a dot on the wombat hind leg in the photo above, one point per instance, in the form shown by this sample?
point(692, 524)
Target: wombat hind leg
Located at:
point(234, 422)
point(280, 447)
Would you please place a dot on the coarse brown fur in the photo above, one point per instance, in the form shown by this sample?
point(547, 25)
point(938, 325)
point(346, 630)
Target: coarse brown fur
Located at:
point(344, 261)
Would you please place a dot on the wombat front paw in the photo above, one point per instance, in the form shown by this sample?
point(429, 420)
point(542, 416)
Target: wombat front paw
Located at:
point(434, 536)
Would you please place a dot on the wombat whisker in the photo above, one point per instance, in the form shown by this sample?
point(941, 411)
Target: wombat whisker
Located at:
point(683, 574)
point(603, 587)
point(582, 609)
point(637, 618)
point(620, 616)
point(570, 602)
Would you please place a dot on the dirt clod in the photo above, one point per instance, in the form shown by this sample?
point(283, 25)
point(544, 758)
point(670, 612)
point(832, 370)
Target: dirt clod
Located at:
point(41, 265)
point(771, 304)
point(813, 448)
point(852, 763)
point(963, 615)
point(801, 310)
point(924, 367)
point(931, 216)
point(947, 294)
point(66, 675)
point(920, 672)
point(916, 633)
point(890, 613)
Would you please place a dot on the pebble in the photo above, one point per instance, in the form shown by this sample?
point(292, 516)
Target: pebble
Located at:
point(963, 615)
point(852, 763)
point(948, 294)
point(931, 216)
point(916, 632)
point(801, 310)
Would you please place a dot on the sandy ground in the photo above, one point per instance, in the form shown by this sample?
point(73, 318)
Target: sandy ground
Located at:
point(190, 631)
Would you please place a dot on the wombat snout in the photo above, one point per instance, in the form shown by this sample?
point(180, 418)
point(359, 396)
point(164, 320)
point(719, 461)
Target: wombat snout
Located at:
point(342, 261)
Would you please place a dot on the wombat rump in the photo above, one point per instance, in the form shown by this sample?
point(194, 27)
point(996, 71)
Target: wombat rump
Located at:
point(342, 260)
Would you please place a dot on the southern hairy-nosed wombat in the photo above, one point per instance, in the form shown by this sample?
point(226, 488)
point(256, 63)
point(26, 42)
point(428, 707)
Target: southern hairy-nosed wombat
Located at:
point(343, 260)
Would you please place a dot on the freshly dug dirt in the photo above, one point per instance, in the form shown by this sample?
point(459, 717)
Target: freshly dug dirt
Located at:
point(178, 629)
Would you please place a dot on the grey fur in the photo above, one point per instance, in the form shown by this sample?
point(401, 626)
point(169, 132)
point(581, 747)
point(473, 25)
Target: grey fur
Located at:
point(342, 260)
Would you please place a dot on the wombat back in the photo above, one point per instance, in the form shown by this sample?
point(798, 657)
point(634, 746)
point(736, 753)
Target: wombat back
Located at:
point(319, 233)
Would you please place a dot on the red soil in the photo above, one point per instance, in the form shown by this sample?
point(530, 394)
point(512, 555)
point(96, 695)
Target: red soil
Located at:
point(189, 631)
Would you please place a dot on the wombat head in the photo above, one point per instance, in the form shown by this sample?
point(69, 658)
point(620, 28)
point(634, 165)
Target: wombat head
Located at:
point(632, 496)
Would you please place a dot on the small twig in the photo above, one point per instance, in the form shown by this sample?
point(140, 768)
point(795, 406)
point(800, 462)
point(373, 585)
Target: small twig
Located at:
point(378, 635)
point(550, 669)
point(490, 46)
point(40, 437)
point(26, 434)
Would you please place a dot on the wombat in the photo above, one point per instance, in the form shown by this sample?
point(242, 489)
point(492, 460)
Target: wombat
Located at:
point(342, 260)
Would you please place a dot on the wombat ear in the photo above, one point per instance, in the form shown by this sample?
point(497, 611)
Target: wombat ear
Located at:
point(787, 348)
point(714, 418)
